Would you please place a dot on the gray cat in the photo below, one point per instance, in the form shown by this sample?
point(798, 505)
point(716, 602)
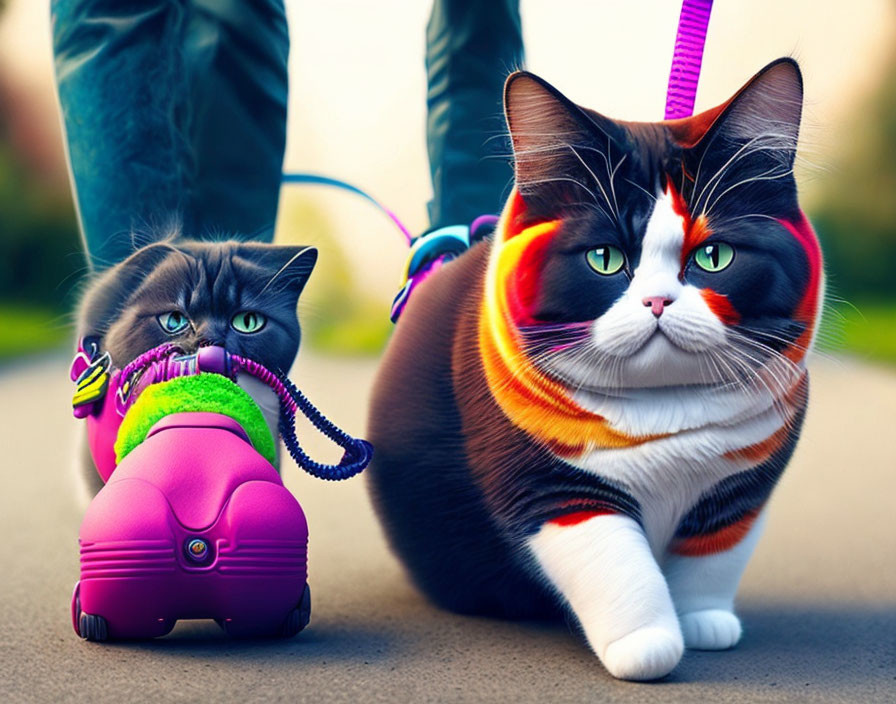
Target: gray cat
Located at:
point(242, 296)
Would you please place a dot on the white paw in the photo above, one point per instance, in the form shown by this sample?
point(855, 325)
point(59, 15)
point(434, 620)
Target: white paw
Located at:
point(645, 654)
point(712, 629)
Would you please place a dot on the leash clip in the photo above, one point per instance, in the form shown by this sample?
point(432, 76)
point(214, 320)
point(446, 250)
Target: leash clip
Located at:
point(433, 249)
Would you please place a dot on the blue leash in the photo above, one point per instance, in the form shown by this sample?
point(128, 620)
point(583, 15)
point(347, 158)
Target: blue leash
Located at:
point(318, 180)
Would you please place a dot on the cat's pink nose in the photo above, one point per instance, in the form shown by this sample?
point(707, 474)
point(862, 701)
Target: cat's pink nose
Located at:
point(656, 304)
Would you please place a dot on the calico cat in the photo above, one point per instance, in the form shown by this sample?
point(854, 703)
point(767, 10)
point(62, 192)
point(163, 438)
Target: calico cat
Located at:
point(587, 413)
point(240, 295)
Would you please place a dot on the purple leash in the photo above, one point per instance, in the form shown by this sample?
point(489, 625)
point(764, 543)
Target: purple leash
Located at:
point(687, 58)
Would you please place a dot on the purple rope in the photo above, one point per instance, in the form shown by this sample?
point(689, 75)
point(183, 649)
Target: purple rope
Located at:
point(156, 354)
point(687, 58)
point(266, 376)
point(357, 452)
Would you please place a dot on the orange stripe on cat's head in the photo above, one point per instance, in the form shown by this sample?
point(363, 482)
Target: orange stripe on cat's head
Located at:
point(533, 401)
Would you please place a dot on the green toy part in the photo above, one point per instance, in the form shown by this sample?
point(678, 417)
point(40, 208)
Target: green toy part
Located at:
point(206, 393)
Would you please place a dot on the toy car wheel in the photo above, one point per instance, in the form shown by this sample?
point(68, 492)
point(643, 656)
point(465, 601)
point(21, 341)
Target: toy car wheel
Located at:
point(299, 617)
point(92, 627)
point(76, 607)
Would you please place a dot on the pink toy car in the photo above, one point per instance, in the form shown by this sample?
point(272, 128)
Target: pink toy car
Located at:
point(193, 522)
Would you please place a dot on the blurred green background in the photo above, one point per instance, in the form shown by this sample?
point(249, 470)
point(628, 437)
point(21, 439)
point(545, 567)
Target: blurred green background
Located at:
point(852, 204)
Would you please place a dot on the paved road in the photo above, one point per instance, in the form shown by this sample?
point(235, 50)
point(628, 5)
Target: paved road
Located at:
point(818, 600)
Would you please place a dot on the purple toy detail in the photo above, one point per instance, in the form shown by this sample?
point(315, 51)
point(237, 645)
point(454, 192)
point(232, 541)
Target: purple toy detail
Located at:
point(193, 523)
point(104, 395)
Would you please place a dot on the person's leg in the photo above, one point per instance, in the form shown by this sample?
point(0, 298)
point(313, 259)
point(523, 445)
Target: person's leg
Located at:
point(120, 80)
point(237, 54)
point(471, 47)
point(171, 107)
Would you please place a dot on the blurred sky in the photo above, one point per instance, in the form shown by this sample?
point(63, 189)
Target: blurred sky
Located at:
point(357, 107)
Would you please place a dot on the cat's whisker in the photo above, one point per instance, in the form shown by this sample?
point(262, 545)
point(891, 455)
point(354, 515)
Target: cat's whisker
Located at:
point(749, 217)
point(756, 369)
point(650, 195)
point(746, 150)
point(767, 176)
point(713, 371)
point(566, 179)
point(725, 372)
point(777, 367)
point(613, 178)
point(748, 376)
point(786, 341)
point(596, 180)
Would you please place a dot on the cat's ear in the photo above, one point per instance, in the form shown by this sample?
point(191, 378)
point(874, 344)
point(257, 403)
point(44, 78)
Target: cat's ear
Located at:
point(770, 102)
point(146, 259)
point(288, 266)
point(562, 154)
point(744, 160)
point(105, 298)
point(766, 110)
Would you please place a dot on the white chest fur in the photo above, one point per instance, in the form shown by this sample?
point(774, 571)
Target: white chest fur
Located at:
point(697, 427)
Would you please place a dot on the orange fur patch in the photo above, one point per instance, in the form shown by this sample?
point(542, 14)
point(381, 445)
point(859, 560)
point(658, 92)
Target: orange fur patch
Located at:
point(761, 451)
point(571, 519)
point(539, 405)
point(721, 540)
point(696, 230)
point(720, 306)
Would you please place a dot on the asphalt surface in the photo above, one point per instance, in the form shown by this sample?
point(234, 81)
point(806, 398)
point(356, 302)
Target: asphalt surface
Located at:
point(818, 601)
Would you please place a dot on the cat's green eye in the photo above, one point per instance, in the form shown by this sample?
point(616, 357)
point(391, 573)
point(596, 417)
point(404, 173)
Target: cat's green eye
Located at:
point(173, 322)
point(714, 257)
point(605, 259)
point(248, 321)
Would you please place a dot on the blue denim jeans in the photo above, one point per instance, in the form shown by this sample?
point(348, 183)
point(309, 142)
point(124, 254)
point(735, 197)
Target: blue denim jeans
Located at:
point(179, 107)
point(471, 47)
